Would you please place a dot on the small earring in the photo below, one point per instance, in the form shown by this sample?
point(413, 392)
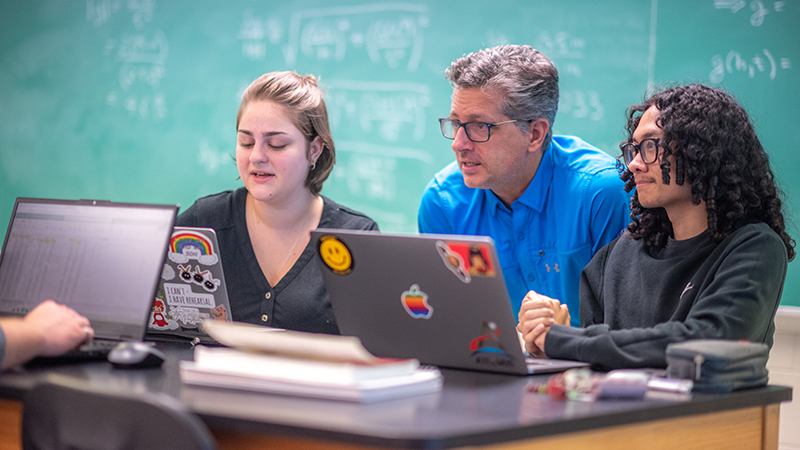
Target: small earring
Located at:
point(313, 166)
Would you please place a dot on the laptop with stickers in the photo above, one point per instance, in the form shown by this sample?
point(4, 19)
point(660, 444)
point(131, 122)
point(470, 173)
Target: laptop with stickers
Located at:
point(438, 298)
point(192, 288)
point(101, 258)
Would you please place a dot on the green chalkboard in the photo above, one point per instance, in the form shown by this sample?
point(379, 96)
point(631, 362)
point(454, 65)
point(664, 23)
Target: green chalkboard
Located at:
point(135, 100)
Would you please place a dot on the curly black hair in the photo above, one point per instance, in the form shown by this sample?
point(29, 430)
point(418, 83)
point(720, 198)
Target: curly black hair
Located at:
point(716, 150)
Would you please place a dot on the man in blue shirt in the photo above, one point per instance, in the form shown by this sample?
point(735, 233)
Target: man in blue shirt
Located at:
point(549, 202)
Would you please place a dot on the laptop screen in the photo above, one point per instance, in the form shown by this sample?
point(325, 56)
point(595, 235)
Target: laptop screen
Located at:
point(102, 259)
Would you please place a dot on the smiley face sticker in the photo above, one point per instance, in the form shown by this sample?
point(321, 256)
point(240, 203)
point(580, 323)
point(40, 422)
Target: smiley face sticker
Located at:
point(335, 255)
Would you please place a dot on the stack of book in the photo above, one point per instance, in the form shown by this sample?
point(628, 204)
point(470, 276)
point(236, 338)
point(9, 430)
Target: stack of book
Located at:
point(306, 364)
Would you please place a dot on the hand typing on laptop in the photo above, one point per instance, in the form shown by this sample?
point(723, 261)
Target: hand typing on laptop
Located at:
point(50, 329)
point(536, 315)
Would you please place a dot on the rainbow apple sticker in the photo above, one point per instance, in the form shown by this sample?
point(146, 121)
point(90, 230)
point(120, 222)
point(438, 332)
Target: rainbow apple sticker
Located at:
point(416, 303)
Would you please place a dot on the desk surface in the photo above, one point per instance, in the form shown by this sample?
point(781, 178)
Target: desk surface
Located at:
point(472, 409)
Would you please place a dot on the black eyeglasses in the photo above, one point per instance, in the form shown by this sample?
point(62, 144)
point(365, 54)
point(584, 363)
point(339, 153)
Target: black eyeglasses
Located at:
point(648, 148)
point(476, 131)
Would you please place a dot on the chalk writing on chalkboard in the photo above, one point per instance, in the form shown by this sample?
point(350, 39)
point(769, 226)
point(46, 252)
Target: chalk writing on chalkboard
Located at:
point(758, 8)
point(139, 54)
point(566, 49)
point(211, 159)
point(255, 32)
point(561, 45)
point(760, 63)
point(370, 176)
point(581, 105)
point(390, 33)
point(98, 12)
point(372, 172)
point(389, 112)
point(384, 111)
point(142, 58)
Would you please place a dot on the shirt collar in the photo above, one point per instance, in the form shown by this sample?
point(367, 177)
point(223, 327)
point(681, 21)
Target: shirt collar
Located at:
point(535, 194)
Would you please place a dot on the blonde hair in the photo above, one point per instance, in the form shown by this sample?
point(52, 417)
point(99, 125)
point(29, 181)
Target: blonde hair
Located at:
point(301, 99)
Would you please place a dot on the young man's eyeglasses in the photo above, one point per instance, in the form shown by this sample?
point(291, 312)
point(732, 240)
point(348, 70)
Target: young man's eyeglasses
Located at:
point(476, 131)
point(648, 148)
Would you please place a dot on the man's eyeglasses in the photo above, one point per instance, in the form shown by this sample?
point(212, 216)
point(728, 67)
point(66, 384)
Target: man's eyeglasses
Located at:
point(476, 131)
point(648, 148)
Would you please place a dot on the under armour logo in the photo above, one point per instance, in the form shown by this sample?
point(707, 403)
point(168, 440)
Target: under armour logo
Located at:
point(554, 268)
point(687, 288)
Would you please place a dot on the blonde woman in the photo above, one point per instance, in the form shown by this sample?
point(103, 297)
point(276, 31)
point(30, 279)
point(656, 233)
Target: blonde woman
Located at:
point(284, 152)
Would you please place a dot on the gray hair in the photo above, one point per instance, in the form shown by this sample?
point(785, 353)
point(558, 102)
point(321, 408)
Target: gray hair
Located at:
point(524, 76)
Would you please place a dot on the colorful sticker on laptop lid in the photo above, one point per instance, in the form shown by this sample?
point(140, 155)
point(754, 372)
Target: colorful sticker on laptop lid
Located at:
point(167, 273)
point(467, 259)
point(453, 261)
point(199, 277)
point(220, 313)
point(186, 245)
point(159, 320)
point(416, 303)
point(188, 317)
point(177, 305)
point(335, 255)
point(486, 349)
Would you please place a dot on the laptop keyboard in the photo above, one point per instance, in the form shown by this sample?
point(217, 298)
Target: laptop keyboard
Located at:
point(95, 350)
point(98, 346)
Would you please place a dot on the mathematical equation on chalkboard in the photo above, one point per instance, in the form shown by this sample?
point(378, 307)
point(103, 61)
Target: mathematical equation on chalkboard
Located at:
point(763, 63)
point(758, 64)
point(368, 176)
point(580, 104)
point(374, 122)
point(140, 56)
point(383, 111)
point(759, 9)
point(390, 34)
point(98, 12)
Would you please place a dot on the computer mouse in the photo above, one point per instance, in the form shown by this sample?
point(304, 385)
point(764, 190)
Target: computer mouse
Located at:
point(135, 355)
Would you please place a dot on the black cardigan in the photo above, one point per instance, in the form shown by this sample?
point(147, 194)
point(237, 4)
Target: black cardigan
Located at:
point(299, 301)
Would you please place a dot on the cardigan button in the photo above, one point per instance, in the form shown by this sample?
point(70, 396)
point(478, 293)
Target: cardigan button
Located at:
point(268, 295)
point(264, 318)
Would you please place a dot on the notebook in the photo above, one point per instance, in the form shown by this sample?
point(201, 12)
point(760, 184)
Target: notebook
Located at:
point(192, 288)
point(101, 258)
point(438, 298)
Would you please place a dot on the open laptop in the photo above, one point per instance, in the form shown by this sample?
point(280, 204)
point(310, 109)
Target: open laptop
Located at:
point(192, 288)
point(101, 258)
point(438, 298)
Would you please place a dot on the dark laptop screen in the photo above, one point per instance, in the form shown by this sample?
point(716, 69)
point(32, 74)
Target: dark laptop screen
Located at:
point(102, 259)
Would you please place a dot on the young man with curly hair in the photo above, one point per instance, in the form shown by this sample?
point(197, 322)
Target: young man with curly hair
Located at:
point(706, 253)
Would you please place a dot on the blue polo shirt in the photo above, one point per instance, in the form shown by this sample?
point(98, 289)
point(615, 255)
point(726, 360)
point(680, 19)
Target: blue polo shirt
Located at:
point(574, 206)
